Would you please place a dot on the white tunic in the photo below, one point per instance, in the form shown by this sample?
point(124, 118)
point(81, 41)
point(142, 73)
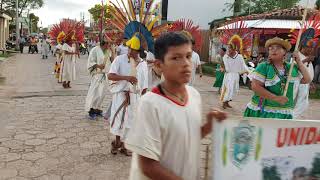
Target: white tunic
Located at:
point(98, 84)
point(121, 66)
point(169, 133)
point(233, 66)
point(154, 80)
point(195, 63)
point(122, 49)
point(44, 48)
point(68, 64)
point(301, 92)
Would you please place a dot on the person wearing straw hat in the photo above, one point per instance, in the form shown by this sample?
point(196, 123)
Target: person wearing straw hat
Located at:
point(269, 80)
point(129, 74)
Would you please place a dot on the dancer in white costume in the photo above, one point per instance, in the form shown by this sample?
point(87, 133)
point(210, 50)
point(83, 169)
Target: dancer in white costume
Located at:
point(98, 65)
point(130, 75)
point(234, 66)
point(68, 65)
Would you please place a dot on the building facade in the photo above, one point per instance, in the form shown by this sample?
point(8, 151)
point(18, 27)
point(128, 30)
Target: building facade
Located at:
point(4, 30)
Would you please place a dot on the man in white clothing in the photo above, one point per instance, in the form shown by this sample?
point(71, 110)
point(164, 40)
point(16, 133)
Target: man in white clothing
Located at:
point(98, 65)
point(44, 47)
point(301, 91)
point(122, 48)
point(154, 74)
point(196, 64)
point(129, 74)
point(68, 65)
point(234, 66)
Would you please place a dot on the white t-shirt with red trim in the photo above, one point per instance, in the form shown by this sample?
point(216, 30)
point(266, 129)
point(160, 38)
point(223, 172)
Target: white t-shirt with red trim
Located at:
point(167, 132)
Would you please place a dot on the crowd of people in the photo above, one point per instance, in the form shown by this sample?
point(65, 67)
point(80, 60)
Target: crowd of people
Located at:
point(154, 104)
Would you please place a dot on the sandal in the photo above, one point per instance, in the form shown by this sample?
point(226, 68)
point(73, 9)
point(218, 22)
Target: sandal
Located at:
point(115, 147)
point(125, 151)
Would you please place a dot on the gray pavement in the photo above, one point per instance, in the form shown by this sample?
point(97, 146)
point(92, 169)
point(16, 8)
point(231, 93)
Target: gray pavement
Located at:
point(44, 132)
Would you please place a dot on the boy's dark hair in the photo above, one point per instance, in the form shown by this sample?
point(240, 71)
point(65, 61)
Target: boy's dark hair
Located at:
point(167, 40)
point(224, 49)
point(193, 41)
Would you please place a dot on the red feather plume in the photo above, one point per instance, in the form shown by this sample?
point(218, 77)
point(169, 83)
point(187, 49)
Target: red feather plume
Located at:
point(71, 28)
point(314, 23)
point(188, 26)
point(239, 35)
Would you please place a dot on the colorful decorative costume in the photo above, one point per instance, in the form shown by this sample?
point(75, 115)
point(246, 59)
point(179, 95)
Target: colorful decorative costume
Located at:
point(67, 33)
point(194, 33)
point(140, 33)
point(274, 81)
point(239, 38)
point(309, 39)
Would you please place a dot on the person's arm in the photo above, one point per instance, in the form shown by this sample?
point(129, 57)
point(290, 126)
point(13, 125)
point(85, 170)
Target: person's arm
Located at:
point(303, 69)
point(213, 114)
point(258, 87)
point(200, 70)
point(116, 77)
point(155, 171)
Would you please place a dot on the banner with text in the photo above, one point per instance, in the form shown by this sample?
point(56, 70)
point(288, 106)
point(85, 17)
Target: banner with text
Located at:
point(265, 149)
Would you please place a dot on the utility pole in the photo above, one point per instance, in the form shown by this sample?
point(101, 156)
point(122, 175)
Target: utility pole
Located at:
point(17, 25)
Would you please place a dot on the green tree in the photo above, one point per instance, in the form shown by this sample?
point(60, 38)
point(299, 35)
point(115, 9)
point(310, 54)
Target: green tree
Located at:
point(318, 4)
point(245, 7)
point(33, 22)
point(96, 12)
point(9, 6)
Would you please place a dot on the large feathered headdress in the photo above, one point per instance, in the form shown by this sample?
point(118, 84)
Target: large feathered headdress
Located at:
point(190, 29)
point(238, 36)
point(137, 24)
point(310, 33)
point(67, 30)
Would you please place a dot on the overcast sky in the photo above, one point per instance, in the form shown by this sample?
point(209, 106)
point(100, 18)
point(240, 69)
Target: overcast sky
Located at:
point(54, 10)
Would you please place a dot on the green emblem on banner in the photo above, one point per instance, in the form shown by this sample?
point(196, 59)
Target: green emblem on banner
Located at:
point(243, 139)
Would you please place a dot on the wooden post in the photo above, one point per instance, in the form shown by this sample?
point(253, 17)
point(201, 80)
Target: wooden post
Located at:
point(296, 48)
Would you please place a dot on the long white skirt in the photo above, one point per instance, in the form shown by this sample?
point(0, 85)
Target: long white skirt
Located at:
point(96, 92)
point(230, 86)
point(302, 100)
point(68, 67)
point(128, 116)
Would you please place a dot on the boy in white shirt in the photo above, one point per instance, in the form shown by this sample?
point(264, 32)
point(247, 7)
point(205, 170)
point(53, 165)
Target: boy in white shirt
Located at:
point(196, 64)
point(165, 137)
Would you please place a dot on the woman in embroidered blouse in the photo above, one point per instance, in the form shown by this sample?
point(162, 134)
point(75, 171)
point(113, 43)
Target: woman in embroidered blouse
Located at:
point(269, 79)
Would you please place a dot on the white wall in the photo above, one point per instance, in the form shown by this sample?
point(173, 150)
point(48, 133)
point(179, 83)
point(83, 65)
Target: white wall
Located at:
point(200, 11)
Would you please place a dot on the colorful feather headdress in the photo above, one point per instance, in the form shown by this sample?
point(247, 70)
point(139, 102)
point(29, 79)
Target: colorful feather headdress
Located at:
point(67, 30)
point(190, 29)
point(239, 36)
point(310, 32)
point(134, 21)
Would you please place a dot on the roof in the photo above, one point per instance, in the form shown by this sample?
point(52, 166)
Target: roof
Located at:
point(2, 15)
point(266, 24)
point(294, 13)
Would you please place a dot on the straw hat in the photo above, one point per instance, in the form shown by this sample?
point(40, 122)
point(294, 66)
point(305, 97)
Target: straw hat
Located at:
point(285, 44)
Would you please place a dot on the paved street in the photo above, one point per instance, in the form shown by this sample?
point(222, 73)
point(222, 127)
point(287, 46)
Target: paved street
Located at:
point(44, 133)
